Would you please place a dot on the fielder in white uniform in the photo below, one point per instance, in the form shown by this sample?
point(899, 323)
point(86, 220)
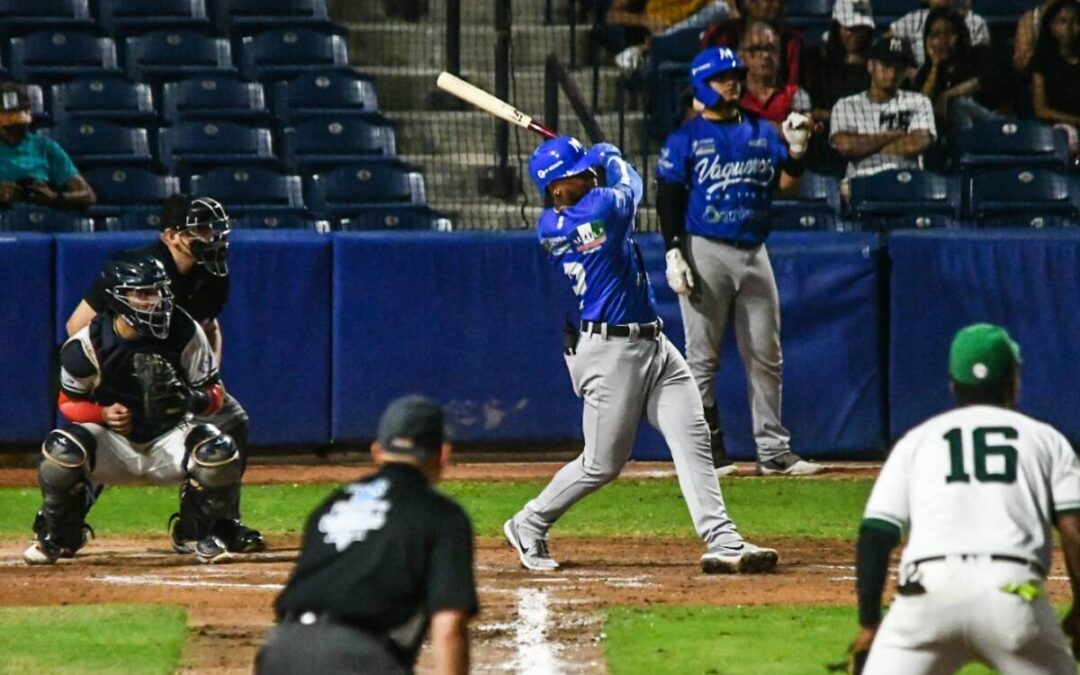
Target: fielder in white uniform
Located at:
point(977, 489)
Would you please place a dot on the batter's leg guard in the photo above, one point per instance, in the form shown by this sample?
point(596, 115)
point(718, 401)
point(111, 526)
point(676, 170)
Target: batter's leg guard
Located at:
point(66, 495)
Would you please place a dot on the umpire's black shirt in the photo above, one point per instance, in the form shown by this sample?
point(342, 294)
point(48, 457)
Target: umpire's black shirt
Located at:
point(383, 552)
point(201, 294)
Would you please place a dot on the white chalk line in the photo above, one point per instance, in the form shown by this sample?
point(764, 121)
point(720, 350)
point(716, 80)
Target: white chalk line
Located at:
point(535, 653)
point(154, 580)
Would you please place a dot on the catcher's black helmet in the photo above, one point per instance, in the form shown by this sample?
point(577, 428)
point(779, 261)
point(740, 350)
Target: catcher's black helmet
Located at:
point(150, 311)
point(204, 218)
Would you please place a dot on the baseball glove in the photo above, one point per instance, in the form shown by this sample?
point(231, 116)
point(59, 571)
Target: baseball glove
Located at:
point(166, 398)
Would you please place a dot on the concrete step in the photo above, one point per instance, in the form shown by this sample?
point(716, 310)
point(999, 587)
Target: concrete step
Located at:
point(501, 216)
point(413, 88)
point(472, 11)
point(452, 132)
point(422, 45)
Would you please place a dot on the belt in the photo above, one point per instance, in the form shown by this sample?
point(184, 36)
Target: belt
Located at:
point(1016, 560)
point(311, 618)
point(735, 243)
point(644, 331)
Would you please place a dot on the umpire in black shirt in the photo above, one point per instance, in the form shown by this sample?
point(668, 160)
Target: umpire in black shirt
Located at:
point(381, 559)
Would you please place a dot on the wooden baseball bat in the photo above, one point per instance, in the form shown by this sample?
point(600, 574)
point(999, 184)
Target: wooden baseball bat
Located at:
point(490, 104)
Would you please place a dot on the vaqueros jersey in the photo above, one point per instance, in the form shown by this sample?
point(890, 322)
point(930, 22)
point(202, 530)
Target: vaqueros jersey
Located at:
point(729, 168)
point(978, 479)
point(592, 243)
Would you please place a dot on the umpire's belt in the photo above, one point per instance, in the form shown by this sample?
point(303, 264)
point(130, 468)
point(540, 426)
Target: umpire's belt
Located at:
point(642, 331)
point(1016, 560)
point(312, 618)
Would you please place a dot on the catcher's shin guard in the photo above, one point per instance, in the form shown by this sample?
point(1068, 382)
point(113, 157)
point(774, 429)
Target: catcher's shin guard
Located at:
point(66, 493)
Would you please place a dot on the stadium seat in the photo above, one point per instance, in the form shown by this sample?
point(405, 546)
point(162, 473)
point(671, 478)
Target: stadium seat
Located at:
point(118, 189)
point(175, 55)
point(252, 190)
point(247, 16)
point(42, 116)
point(1020, 198)
point(887, 11)
point(215, 97)
point(1002, 13)
point(92, 143)
point(121, 18)
point(285, 54)
point(1012, 143)
point(397, 218)
point(132, 219)
point(905, 199)
point(808, 8)
point(815, 207)
point(53, 56)
point(351, 188)
point(279, 222)
point(18, 17)
point(320, 143)
point(333, 93)
point(191, 147)
point(110, 99)
point(23, 218)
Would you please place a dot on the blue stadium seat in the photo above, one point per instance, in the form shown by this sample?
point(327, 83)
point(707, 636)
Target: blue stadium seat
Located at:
point(120, 188)
point(121, 18)
point(334, 93)
point(278, 221)
point(284, 54)
point(174, 55)
point(815, 207)
point(215, 97)
point(808, 8)
point(103, 98)
point(191, 147)
point(351, 188)
point(252, 190)
point(1003, 13)
point(1012, 143)
point(24, 218)
point(905, 199)
point(52, 56)
point(132, 219)
point(397, 218)
point(42, 116)
point(1020, 198)
point(321, 143)
point(18, 17)
point(667, 77)
point(246, 16)
point(92, 143)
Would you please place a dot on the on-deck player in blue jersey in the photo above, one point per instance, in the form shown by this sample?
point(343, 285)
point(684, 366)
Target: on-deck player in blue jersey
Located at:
point(715, 179)
point(621, 366)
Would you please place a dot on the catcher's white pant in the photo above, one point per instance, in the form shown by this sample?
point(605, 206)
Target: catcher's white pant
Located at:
point(158, 462)
point(965, 616)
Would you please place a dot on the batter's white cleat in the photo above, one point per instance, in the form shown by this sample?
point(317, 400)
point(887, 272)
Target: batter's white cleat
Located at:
point(37, 555)
point(534, 554)
point(741, 558)
point(788, 464)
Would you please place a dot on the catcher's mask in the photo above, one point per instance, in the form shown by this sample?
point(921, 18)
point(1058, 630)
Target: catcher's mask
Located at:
point(139, 291)
point(205, 221)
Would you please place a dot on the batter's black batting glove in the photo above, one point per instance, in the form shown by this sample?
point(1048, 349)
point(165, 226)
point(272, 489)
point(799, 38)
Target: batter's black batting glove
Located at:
point(570, 338)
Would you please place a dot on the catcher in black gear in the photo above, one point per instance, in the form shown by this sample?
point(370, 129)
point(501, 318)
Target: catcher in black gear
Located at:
point(130, 382)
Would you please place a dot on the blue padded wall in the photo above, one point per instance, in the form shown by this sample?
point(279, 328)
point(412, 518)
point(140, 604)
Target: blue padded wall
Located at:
point(1025, 280)
point(26, 329)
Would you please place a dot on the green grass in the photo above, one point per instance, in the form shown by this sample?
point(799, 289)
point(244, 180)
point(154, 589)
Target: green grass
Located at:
point(728, 641)
point(91, 639)
point(762, 507)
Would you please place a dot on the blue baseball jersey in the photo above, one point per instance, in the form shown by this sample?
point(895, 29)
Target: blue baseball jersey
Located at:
point(592, 243)
point(729, 168)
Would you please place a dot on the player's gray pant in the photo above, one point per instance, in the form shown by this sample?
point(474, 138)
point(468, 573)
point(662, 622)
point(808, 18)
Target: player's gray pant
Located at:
point(293, 648)
point(737, 283)
point(618, 379)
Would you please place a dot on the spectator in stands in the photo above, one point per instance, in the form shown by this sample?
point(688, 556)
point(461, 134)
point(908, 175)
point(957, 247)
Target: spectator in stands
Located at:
point(1027, 33)
point(642, 20)
point(764, 95)
point(1055, 70)
point(729, 32)
point(950, 76)
point(883, 127)
point(840, 69)
point(33, 168)
point(912, 26)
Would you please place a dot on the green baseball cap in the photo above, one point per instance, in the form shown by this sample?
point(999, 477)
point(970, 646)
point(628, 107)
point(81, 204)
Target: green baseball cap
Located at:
point(983, 353)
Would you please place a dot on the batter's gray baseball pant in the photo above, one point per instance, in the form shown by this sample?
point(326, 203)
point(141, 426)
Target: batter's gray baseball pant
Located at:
point(618, 380)
point(738, 283)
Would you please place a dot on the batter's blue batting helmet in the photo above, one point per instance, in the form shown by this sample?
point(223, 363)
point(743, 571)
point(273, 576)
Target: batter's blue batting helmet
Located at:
point(558, 158)
point(707, 65)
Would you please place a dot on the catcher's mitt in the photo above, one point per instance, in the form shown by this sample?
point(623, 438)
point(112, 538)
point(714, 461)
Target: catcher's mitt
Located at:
point(166, 398)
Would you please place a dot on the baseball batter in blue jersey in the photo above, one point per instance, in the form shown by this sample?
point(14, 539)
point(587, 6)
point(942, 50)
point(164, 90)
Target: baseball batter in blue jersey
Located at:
point(716, 175)
point(621, 365)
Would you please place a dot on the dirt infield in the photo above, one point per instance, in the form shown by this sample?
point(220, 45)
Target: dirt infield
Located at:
point(529, 622)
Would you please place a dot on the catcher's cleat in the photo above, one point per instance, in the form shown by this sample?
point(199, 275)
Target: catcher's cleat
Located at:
point(239, 538)
point(41, 553)
point(210, 550)
point(534, 555)
point(788, 464)
point(50, 546)
point(741, 558)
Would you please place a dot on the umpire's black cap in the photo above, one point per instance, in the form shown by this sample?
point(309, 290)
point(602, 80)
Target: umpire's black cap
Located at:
point(412, 425)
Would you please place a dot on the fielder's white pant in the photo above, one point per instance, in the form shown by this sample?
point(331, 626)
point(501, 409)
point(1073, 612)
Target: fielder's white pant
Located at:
point(964, 616)
point(158, 462)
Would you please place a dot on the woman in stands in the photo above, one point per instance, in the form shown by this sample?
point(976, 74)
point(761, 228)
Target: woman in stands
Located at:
point(912, 26)
point(950, 75)
point(1027, 34)
point(1055, 70)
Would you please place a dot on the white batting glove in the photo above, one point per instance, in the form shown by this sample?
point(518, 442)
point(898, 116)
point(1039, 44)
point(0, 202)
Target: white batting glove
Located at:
point(679, 275)
point(796, 130)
